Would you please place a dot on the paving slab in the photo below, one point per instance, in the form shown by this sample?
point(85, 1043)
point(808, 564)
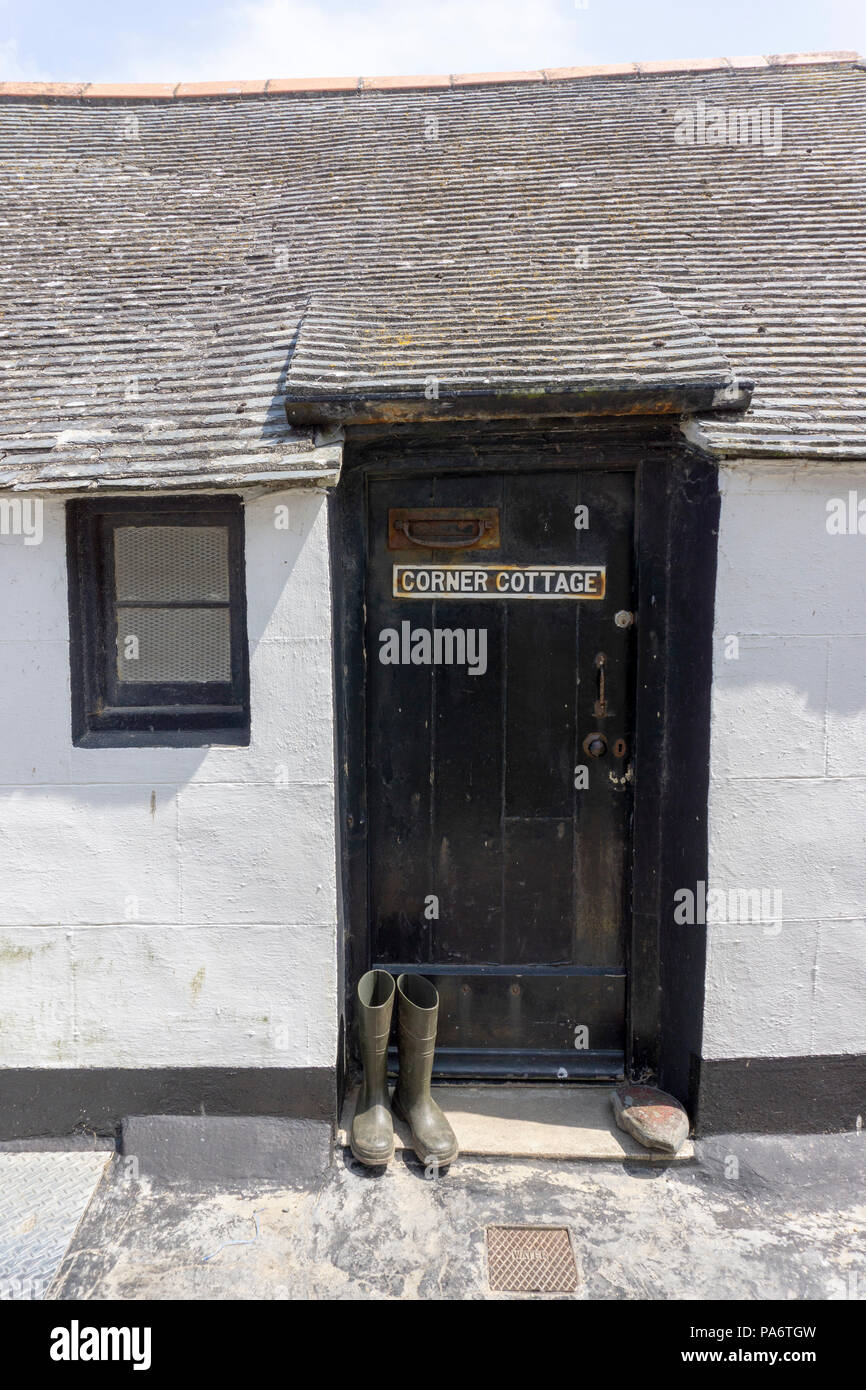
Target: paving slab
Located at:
point(566, 1122)
point(203, 1148)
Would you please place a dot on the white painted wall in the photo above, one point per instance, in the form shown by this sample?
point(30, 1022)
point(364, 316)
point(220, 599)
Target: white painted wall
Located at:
point(788, 766)
point(203, 931)
point(171, 906)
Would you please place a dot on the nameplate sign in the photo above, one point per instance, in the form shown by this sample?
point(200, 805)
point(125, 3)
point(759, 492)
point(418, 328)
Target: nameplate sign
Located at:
point(499, 581)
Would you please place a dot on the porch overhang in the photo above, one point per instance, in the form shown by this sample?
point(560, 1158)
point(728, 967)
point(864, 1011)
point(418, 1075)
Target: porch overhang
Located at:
point(604, 347)
point(581, 401)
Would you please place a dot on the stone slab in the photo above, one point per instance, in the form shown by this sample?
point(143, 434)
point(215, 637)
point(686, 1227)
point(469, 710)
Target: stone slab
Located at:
point(220, 1148)
point(568, 1122)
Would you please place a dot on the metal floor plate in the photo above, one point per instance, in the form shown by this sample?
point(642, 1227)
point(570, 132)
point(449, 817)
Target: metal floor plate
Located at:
point(43, 1196)
point(530, 1259)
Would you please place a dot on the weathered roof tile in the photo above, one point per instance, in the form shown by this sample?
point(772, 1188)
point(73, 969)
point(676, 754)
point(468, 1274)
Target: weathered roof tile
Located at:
point(397, 84)
point(174, 268)
point(748, 61)
point(98, 91)
point(284, 85)
point(684, 65)
point(220, 89)
point(42, 89)
point(484, 79)
point(594, 70)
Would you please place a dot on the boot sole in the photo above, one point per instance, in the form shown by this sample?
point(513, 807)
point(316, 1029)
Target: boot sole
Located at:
point(371, 1162)
point(421, 1156)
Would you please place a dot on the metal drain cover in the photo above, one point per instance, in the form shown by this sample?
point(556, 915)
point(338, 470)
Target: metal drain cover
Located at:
point(530, 1259)
point(43, 1196)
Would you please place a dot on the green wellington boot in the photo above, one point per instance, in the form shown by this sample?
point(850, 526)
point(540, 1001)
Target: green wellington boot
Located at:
point(433, 1139)
point(372, 1138)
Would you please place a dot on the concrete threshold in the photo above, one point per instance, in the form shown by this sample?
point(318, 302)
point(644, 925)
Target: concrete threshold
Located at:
point(527, 1121)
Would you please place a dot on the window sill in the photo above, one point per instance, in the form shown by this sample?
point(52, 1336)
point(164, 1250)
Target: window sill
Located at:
point(163, 738)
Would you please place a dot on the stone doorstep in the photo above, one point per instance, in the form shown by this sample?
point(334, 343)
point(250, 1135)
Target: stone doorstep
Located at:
point(528, 1121)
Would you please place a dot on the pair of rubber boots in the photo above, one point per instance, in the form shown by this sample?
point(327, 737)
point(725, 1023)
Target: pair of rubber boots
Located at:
point(372, 1139)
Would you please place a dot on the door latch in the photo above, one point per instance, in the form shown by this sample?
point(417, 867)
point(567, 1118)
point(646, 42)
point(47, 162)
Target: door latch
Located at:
point(600, 706)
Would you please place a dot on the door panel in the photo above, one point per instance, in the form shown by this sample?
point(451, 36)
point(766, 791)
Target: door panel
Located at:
point(489, 869)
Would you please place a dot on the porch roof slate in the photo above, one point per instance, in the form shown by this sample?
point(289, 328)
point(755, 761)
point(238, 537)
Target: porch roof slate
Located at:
point(179, 264)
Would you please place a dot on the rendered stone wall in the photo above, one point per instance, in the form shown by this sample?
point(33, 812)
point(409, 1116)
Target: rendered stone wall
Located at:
point(171, 907)
point(787, 810)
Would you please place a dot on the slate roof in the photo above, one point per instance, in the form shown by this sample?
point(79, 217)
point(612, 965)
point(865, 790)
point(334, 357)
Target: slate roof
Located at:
point(179, 263)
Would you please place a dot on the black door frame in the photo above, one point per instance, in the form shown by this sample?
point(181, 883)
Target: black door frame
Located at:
point(676, 528)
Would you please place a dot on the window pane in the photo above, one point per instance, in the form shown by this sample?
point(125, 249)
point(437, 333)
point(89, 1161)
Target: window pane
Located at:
point(173, 644)
point(165, 564)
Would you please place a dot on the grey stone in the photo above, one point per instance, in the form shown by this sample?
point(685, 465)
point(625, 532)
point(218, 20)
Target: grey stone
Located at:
point(227, 1148)
point(650, 1116)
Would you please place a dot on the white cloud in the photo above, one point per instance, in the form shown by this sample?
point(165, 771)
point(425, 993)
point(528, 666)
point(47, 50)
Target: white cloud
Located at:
point(14, 68)
point(289, 38)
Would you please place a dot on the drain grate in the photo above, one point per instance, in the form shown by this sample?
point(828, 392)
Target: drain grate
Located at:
point(530, 1259)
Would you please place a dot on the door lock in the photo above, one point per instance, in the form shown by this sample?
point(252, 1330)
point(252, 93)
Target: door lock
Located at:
point(595, 745)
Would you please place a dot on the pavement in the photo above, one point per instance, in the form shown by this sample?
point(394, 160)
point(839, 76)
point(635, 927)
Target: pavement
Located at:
point(753, 1217)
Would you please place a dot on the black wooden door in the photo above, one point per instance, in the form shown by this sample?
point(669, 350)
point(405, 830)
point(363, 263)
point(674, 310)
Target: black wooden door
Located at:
point(499, 767)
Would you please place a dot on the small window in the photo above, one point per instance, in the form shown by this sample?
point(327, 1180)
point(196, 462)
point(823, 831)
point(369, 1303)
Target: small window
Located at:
point(158, 622)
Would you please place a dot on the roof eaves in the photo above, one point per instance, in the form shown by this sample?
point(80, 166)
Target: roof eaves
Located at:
point(317, 463)
point(276, 479)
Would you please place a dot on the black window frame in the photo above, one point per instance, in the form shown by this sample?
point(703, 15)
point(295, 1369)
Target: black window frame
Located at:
point(109, 713)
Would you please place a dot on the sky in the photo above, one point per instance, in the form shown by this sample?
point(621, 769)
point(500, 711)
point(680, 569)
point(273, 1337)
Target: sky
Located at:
point(198, 40)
